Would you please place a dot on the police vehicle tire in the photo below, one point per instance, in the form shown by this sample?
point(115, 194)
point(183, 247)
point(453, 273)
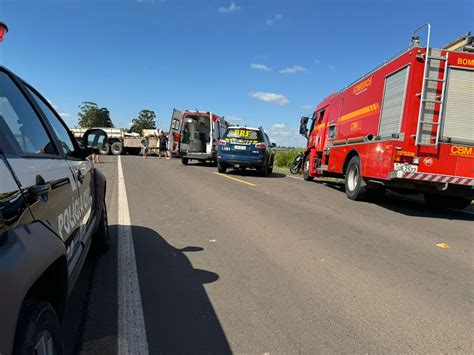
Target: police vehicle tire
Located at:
point(355, 185)
point(264, 171)
point(306, 175)
point(221, 168)
point(117, 148)
point(104, 149)
point(101, 238)
point(444, 202)
point(270, 170)
point(184, 161)
point(37, 322)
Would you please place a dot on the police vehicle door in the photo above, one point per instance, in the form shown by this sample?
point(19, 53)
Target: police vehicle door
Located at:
point(83, 174)
point(44, 175)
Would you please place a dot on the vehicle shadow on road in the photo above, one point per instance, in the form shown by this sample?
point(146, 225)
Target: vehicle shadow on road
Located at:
point(254, 173)
point(178, 314)
point(412, 205)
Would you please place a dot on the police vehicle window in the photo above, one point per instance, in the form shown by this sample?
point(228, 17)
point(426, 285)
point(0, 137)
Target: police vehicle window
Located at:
point(242, 133)
point(66, 143)
point(22, 122)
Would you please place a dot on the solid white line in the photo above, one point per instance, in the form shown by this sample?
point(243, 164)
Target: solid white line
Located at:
point(131, 324)
point(294, 177)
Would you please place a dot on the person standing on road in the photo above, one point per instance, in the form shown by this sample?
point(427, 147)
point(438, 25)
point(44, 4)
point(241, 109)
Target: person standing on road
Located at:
point(164, 145)
point(145, 143)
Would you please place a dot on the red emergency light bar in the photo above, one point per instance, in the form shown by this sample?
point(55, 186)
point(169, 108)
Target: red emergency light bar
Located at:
point(3, 31)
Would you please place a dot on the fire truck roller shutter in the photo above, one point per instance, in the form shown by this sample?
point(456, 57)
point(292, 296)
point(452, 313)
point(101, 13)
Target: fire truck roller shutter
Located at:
point(393, 101)
point(459, 110)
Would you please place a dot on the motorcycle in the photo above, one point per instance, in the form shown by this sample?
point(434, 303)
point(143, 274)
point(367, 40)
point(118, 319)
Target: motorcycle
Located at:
point(297, 165)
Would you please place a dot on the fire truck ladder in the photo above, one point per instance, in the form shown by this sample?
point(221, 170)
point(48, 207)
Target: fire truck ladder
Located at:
point(428, 129)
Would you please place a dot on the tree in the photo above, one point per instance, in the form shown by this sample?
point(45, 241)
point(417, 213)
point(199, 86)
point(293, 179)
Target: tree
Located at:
point(145, 120)
point(93, 116)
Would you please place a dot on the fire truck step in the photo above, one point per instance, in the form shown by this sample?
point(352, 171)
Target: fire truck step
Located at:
point(432, 101)
point(438, 80)
point(437, 58)
point(435, 123)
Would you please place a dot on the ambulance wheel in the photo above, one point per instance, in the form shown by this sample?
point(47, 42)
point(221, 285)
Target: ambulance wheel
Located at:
point(184, 161)
point(221, 168)
point(355, 185)
point(444, 202)
point(306, 175)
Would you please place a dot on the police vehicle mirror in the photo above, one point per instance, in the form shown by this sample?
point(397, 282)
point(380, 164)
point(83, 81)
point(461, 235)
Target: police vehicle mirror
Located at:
point(94, 139)
point(274, 145)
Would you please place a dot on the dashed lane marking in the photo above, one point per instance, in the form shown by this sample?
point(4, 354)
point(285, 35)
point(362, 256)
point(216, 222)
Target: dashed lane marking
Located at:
point(442, 245)
point(235, 179)
point(131, 323)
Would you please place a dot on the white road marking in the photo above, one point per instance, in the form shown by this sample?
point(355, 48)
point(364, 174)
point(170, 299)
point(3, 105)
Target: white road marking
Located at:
point(294, 177)
point(131, 324)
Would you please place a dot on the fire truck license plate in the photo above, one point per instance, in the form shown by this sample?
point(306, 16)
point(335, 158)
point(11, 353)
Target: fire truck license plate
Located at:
point(406, 168)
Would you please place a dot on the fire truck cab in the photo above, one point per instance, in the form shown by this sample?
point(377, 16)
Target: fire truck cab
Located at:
point(194, 135)
point(408, 125)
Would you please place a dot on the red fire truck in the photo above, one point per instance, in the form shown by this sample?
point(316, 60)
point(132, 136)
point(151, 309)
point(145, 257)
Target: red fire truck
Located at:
point(408, 125)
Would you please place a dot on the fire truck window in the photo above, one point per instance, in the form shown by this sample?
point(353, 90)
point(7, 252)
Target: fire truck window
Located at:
point(331, 132)
point(321, 116)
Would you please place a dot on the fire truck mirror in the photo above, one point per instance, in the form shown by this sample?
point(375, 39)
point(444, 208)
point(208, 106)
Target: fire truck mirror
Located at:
point(304, 120)
point(303, 129)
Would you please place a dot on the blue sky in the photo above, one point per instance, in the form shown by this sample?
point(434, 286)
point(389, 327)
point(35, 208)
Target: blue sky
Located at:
point(257, 62)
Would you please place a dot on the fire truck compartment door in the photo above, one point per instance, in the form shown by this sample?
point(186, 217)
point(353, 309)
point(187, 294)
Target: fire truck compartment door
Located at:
point(459, 106)
point(393, 101)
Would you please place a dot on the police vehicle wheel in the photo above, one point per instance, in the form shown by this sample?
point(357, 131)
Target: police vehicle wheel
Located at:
point(264, 171)
point(117, 148)
point(38, 330)
point(184, 161)
point(270, 170)
point(101, 238)
point(355, 185)
point(104, 149)
point(221, 168)
point(306, 175)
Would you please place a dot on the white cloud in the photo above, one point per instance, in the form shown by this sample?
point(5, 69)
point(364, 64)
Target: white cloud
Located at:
point(281, 134)
point(271, 21)
point(233, 119)
point(270, 97)
point(332, 67)
point(294, 69)
point(260, 67)
point(317, 61)
point(233, 7)
point(307, 107)
point(64, 115)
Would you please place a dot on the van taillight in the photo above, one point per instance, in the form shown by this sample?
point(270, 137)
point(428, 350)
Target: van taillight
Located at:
point(222, 142)
point(260, 145)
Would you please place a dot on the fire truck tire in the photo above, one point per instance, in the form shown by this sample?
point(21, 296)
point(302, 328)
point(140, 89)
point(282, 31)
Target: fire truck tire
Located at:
point(221, 168)
point(306, 175)
point(104, 149)
point(443, 202)
point(116, 148)
point(184, 161)
point(355, 185)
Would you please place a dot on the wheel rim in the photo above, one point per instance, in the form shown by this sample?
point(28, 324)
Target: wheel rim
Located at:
point(45, 344)
point(353, 178)
point(306, 166)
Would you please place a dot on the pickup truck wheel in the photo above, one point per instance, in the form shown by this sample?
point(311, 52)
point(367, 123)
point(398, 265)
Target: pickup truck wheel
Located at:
point(101, 238)
point(104, 149)
point(184, 161)
point(117, 148)
point(355, 185)
point(38, 330)
point(444, 202)
point(306, 175)
point(221, 168)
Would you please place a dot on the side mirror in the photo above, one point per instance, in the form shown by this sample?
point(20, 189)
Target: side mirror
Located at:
point(303, 129)
point(274, 145)
point(94, 138)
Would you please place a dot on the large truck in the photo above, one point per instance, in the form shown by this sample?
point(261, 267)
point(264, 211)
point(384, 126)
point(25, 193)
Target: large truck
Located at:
point(408, 125)
point(194, 135)
point(121, 142)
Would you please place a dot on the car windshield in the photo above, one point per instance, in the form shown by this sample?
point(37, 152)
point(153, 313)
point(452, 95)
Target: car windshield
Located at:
point(243, 134)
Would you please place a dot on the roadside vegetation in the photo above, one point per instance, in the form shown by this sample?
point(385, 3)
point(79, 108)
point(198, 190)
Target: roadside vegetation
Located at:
point(284, 157)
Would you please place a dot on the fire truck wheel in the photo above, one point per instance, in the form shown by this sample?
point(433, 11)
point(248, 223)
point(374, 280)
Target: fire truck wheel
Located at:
point(184, 161)
point(221, 168)
point(443, 202)
point(306, 175)
point(355, 185)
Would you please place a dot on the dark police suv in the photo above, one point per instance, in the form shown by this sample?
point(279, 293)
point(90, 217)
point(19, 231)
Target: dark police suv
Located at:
point(245, 147)
point(52, 209)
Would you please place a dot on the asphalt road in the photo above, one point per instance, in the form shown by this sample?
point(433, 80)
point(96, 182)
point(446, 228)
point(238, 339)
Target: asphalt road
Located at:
point(246, 264)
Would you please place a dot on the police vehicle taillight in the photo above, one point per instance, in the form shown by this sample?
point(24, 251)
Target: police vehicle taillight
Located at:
point(3, 31)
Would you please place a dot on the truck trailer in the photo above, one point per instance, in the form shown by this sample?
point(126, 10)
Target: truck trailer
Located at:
point(120, 141)
point(407, 125)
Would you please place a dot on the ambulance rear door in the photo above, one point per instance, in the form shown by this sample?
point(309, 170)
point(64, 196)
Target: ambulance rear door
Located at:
point(176, 129)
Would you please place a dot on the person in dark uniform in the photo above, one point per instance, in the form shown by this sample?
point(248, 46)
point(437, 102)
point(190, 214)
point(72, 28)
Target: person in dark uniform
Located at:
point(164, 145)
